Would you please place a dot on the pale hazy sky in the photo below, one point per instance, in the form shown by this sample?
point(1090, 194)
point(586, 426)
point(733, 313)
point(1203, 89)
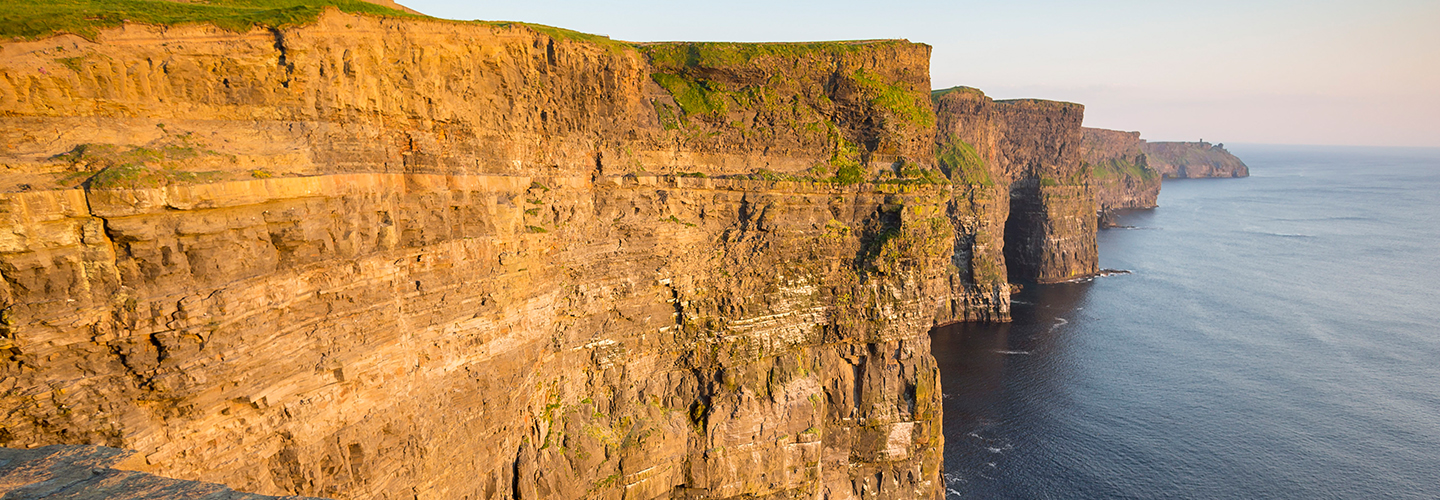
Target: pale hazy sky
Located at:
point(1268, 71)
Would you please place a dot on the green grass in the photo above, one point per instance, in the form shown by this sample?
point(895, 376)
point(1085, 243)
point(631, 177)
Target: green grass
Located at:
point(107, 166)
point(910, 173)
point(1118, 168)
point(679, 55)
point(846, 161)
point(30, 19)
point(696, 98)
point(936, 94)
point(964, 166)
point(686, 69)
point(666, 113)
point(907, 106)
point(36, 18)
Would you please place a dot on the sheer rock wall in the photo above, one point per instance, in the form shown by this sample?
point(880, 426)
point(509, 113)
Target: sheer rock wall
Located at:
point(377, 258)
point(1119, 170)
point(1028, 152)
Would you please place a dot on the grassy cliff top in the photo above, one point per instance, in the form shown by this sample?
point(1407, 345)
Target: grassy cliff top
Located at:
point(37, 18)
point(727, 54)
point(938, 93)
point(1041, 103)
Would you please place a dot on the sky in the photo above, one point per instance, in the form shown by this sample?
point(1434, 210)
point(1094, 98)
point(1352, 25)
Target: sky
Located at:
point(1266, 71)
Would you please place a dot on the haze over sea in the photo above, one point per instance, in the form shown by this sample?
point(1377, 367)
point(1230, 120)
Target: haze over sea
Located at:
point(1278, 339)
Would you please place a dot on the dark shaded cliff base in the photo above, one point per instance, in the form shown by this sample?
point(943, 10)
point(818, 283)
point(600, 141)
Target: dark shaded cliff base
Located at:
point(1190, 160)
point(80, 472)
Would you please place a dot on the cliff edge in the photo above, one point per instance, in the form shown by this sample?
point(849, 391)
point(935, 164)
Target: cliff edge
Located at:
point(370, 256)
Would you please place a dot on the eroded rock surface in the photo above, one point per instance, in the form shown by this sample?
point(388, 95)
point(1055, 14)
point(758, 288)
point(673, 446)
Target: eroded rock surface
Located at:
point(378, 258)
point(1026, 152)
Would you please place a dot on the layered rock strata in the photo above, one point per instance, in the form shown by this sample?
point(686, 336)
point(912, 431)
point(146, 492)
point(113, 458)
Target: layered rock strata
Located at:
point(1119, 170)
point(1189, 160)
point(1025, 155)
point(373, 258)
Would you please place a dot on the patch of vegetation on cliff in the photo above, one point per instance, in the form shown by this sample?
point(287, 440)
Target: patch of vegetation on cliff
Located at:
point(906, 105)
point(959, 160)
point(1080, 177)
point(1118, 168)
point(786, 83)
point(938, 93)
point(695, 97)
point(35, 18)
point(108, 166)
point(890, 242)
point(846, 161)
point(678, 55)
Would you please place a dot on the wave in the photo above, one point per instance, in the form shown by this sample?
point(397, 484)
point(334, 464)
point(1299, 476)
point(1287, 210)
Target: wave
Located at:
point(1059, 322)
point(1025, 353)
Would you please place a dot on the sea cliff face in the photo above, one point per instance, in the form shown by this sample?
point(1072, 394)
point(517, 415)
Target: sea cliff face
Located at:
point(1119, 170)
point(372, 257)
point(1182, 160)
point(1025, 155)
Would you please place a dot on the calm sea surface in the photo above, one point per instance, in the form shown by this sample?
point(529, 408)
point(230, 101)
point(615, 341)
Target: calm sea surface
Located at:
point(1278, 339)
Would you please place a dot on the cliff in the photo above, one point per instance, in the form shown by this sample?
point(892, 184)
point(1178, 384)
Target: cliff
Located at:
point(372, 257)
point(1181, 160)
point(1023, 157)
point(1119, 170)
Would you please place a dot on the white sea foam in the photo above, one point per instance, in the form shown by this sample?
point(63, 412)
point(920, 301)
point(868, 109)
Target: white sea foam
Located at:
point(1059, 322)
point(1023, 353)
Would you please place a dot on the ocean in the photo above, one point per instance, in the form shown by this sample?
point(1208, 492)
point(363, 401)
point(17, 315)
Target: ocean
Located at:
point(1277, 338)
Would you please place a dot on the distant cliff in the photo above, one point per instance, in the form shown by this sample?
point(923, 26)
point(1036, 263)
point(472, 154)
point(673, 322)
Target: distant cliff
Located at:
point(1119, 169)
point(1022, 159)
point(1181, 160)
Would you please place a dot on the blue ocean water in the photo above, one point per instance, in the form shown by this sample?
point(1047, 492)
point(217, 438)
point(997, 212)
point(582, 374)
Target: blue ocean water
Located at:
point(1278, 339)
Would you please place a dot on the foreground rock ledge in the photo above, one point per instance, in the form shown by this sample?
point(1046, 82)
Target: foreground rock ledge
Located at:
point(81, 472)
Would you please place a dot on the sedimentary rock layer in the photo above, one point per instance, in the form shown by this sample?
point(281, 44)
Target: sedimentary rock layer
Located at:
point(1119, 170)
point(1181, 160)
point(1027, 152)
point(374, 258)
